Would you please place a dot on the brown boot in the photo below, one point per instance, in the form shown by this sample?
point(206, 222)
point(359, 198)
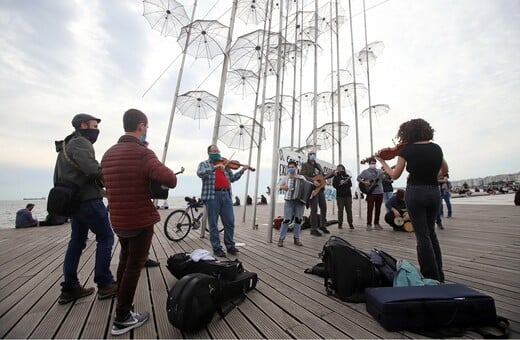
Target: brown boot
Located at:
point(107, 292)
point(280, 243)
point(297, 242)
point(69, 295)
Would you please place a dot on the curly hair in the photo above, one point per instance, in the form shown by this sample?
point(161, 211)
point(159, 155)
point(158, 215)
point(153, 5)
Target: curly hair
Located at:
point(415, 130)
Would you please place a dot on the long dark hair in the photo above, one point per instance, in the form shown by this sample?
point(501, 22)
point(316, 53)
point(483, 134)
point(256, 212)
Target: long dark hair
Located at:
point(415, 130)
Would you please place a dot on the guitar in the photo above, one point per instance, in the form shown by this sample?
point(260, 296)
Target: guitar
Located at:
point(319, 183)
point(159, 191)
point(367, 189)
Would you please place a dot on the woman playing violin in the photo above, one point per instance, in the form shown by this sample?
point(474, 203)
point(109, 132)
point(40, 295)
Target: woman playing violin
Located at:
point(217, 177)
point(425, 162)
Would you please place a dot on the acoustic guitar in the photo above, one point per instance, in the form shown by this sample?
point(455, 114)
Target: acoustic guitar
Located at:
point(367, 189)
point(159, 191)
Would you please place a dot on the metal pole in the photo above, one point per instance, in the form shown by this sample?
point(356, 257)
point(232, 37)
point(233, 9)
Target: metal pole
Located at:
point(276, 134)
point(355, 103)
point(368, 82)
point(223, 76)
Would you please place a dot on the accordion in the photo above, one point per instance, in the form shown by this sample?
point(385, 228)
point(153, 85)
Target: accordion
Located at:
point(299, 189)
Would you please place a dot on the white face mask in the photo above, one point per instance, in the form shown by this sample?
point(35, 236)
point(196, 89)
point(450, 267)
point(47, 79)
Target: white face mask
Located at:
point(372, 166)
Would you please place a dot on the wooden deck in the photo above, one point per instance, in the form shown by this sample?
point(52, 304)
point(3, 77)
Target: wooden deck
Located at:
point(481, 249)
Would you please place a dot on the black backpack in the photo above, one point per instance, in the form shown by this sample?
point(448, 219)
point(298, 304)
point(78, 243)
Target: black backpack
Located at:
point(349, 270)
point(181, 264)
point(196, 297)
point(386, 266)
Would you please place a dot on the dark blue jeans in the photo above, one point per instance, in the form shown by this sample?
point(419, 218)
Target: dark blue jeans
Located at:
point(221, 206)
point(91, 215)
point(422, 202)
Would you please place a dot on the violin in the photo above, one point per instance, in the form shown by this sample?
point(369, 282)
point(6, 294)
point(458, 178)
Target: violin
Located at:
point(385, 153)
point(232, 164)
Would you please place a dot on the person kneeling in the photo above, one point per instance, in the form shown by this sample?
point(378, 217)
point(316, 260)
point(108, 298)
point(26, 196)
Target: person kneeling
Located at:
point(397, 216)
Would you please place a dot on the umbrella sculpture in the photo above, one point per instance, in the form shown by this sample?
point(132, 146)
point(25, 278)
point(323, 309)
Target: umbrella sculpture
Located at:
point(197, 104)
point(347, 93)
point(247, 51)
point(325, 21)
point(268, 110)
point(236, 131)
point(344, 77)
point(324, 100)
point(252, 11)
point(376, 47)
point(166, 16)
point(242, 82)
point(328, 134)
point(377, 110)
point(207, 38)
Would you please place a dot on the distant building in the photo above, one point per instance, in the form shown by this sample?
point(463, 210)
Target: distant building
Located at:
point(494, 180)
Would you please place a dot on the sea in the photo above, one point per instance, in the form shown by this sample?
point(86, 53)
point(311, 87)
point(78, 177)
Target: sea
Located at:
point(8, 208)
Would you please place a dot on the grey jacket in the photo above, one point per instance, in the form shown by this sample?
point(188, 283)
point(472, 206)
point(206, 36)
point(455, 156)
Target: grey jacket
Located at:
point(88, 173)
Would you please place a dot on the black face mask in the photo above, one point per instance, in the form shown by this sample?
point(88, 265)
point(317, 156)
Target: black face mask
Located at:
point(90, 134)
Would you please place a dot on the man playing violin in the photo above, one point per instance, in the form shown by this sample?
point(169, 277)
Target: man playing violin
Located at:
point(313, 172)
point(216, 193)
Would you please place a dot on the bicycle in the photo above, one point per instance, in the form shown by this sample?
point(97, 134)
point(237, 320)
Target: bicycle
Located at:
point(179, 222)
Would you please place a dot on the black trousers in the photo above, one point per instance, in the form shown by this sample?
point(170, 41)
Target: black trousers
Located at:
point(423, 202)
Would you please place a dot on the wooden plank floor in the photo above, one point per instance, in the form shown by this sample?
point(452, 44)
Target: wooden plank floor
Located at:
point(481, 249)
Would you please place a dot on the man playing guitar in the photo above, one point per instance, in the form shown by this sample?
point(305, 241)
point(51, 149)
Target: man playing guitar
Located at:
point(370, 182)
point(313, 171)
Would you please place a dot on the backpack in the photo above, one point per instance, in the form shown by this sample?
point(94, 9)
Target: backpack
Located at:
point(318, 269)
point(181, 264)
point(194, 299)
point(386, 266)
point(349, 270)
point(408, 275)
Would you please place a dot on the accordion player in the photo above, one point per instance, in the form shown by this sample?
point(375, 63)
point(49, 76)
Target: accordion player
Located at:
point(299, 189)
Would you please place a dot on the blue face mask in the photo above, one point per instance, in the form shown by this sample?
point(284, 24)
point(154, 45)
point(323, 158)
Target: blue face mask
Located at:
point(214, 156)
point(90, 134)
point(143, 138)
point(291, 171)
point(312, 157)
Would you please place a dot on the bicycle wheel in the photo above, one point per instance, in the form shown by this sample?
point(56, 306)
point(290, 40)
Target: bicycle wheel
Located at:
point(177, 225)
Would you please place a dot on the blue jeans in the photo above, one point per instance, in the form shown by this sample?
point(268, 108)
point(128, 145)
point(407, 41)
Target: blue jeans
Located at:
point(387, 195)
point(422, 202)
point(221, 206)
point(292, 209)
point(91, 215)
point(446, 197)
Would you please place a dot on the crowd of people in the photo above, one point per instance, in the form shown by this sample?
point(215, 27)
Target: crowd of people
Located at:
point(127, 167)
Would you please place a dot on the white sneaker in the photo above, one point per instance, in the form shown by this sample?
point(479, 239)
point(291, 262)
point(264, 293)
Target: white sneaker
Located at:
point(134, 320)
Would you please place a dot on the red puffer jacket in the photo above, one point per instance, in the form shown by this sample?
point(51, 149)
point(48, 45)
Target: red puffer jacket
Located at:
point(127, 168)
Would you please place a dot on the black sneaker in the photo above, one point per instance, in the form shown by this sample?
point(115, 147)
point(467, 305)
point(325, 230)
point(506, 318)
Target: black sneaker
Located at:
point(232, 251)
point(315, 233)
point(351, 226)
point(440, 226)
point(134, 320)
point(151, 263)
point(219, 253)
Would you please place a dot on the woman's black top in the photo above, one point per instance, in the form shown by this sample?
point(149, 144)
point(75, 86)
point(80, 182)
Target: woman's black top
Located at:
point(423, 162)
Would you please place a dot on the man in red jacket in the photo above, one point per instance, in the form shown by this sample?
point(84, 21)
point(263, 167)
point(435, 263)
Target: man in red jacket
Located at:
point(127, 169)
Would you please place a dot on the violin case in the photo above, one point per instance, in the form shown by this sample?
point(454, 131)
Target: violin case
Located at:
point(424, 308)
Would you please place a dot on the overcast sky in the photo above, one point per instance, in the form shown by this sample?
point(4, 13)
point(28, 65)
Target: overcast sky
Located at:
point(451, 62)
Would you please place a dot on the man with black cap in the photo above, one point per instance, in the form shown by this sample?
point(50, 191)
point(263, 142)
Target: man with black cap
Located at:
point(76, 163)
